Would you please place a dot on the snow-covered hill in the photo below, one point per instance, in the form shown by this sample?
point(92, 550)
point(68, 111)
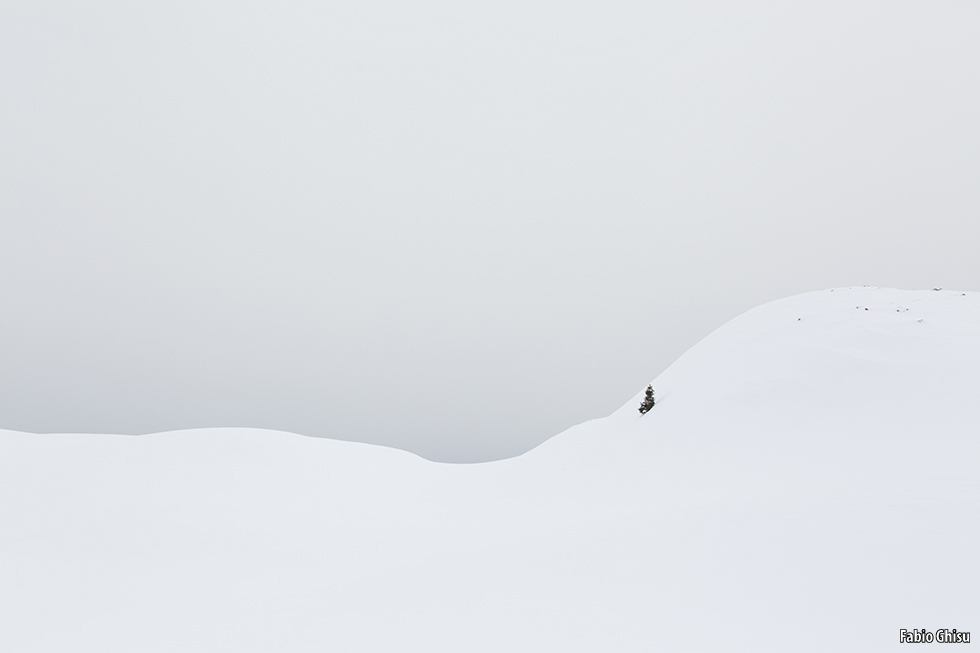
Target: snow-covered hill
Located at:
point(808, 481)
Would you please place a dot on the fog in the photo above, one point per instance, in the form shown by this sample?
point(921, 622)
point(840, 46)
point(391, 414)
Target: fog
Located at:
point(453, 228)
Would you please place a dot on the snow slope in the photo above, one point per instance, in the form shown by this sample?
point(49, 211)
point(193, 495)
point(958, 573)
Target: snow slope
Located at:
point(807, 482)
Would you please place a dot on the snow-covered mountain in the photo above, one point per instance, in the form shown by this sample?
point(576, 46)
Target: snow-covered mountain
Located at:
point(808, 481)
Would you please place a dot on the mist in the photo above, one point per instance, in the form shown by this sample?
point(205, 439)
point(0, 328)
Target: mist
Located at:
point(453, 228)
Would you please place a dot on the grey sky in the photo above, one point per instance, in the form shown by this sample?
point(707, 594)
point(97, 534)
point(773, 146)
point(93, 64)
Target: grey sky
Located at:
point(452, 227)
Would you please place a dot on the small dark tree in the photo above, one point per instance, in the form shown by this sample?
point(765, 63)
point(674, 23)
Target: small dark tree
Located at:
point(648, 401)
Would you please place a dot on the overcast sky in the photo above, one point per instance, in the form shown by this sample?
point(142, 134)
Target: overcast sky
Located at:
point(452, 227)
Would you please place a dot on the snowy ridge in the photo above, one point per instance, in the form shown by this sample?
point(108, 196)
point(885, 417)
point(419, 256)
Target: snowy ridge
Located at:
point(809, 472)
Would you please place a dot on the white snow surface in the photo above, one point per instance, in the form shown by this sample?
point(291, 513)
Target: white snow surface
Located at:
point(808, 481)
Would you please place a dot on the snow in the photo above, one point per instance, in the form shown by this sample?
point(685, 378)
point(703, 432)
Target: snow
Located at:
point(807, 481)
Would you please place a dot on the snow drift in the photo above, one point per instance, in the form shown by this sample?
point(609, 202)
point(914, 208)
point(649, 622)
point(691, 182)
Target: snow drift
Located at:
point(807, 481)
